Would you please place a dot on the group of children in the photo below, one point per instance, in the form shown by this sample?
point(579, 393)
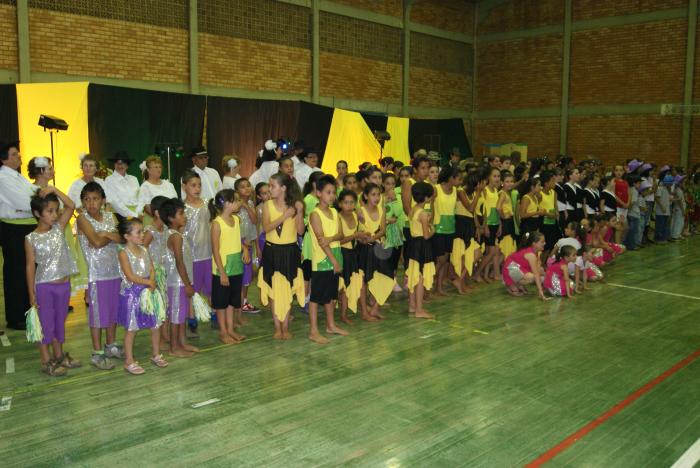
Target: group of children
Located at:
point(336, 241)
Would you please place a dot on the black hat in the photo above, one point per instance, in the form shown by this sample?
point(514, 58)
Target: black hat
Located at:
point(121, 156)
point(197, 151)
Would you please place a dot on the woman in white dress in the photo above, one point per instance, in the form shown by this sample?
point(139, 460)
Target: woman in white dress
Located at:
point(231, 166)
point(153, 185)
point(88, 165)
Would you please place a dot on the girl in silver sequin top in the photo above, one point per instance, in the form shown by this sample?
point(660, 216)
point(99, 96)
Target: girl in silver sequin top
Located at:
point(178, 264)
point(49, 266)
point(137, 274)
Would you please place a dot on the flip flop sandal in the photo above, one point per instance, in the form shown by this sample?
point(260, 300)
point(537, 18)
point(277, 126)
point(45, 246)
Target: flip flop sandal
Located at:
point(159, 361)
point(68, 362)
point(134, 369)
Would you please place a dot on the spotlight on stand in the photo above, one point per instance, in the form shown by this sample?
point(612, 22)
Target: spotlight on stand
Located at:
point(381, 136)
point(52, 124)
point(168, 150)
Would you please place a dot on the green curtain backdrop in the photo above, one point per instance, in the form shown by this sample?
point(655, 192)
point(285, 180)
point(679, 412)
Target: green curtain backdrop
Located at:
point(137, 121)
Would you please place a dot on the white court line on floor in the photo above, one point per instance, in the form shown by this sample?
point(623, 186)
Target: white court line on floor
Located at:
point(5, 403)
point(205, 403)
point(653, 291)
point(690, 457)
point(10, 365)
point(5, 340)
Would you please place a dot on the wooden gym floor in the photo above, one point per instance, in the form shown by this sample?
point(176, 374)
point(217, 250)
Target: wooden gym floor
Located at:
point(607, 379)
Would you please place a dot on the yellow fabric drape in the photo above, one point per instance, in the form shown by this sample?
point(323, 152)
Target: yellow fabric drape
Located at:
point(67, 101)
point(397, 147)
point(349, 139)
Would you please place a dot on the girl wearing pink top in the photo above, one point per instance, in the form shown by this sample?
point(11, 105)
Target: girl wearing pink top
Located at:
point(522, 267)
point(556, 280)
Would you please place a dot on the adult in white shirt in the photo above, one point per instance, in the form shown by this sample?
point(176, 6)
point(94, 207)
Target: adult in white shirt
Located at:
point(122, 189)
point(231, 166)
point(211, 181)
point(153, 185)
point(269, 166)
point(16, 221)
point(88, 164)
point(308, 164)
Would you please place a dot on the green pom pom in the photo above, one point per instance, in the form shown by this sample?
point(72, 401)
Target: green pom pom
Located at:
point(202, 311)
point(34, 331)
point(146, 302)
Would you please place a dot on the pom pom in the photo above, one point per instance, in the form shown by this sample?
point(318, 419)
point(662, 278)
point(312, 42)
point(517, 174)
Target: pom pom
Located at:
point(143, 166)
point(152, 303)
point(34, 331)
point(202, 312)
point(232, 164)
point(270, 145)
point(260, 153)
point(41, 162)
point(81, 156)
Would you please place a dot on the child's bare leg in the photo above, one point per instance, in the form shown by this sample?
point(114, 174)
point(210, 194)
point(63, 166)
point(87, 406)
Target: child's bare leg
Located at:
point(223, 328)
point(231, 313)
point(420, 311)
point(374, 310)
point(155, 342)
point(344, 308)
point(183, 340)
point(96, 336)
point(412, 302)
point(331, 327)
point(314, 334)
point(176, 348)
point(441, 264)
point(364, 314)
point(44, 354)
point(286, 334)
point(111, 333)
point(129, 347)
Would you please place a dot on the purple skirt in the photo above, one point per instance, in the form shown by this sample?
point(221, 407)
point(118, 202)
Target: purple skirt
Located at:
point(130, 316)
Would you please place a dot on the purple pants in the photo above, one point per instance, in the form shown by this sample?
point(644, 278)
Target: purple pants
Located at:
point(178, 304)
point(247, 274)
point(53, 299)
point(201, 270)
point(104, 302)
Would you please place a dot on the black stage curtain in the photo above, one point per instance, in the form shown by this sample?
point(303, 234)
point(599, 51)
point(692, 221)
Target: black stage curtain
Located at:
point(375, 121)
point(9, 128)
point(241, 126)
point(439, 135)
point(314, 127)
point(137, 121)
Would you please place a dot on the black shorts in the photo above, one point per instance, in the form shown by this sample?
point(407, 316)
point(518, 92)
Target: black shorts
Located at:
point(224, 296)
point(306, 269)
point(442, 244)
point(490, 240)
point(324, 287)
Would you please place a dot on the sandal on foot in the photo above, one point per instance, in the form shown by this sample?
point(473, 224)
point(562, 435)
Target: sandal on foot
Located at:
point(134, 369)
point(53, 369)
point(159, 361)
point(68, 362)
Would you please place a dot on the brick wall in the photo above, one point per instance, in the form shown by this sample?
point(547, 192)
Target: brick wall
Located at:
point(385, 7)
point(88, 46)
point(240, 63)
point(540, 134)
point(450, 15)
point(437, 88)
point(347, 77)
point(628, 64)
point(523, 14)
point(519, 74)
point(589, 9)
point(615, 139)
point(8, 46)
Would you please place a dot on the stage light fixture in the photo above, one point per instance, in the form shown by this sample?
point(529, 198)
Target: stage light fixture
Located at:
point(49, 122)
